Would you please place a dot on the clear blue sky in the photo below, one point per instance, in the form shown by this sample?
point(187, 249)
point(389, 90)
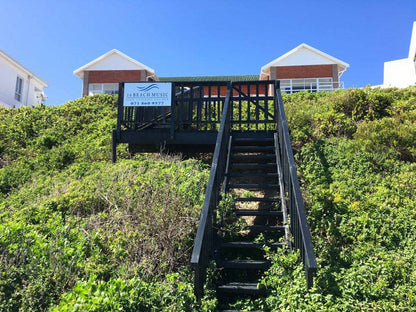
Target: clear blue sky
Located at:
point(52, 38)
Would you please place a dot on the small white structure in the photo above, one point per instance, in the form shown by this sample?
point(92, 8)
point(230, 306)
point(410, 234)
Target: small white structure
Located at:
point(402, 73)
point(18, 85)
point(305, 68)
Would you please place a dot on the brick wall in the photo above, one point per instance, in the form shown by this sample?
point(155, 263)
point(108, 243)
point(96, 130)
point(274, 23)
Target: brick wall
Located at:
point(304, 71)
point(115, 76)
point(111, 76)
point(244, 88)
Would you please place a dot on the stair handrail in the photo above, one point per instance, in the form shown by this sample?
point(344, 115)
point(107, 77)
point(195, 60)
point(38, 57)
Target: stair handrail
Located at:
point(203, 251)
point(299, 228)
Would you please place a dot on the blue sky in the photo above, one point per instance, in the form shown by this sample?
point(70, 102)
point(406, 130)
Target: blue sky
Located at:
point(52, 38)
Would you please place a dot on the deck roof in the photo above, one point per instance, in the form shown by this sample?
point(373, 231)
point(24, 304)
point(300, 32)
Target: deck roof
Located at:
point(212, 78)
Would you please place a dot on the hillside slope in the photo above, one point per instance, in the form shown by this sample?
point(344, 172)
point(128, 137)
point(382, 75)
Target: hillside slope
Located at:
point(68, 216)
point(79, 233)
point(356, 152)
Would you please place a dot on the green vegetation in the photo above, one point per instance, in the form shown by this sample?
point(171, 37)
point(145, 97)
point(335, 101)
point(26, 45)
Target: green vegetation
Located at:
point(82, 234)
point(356, 155)
point(78, 233)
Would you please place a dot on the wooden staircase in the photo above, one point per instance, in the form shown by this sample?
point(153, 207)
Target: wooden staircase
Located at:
point(253, 163)
point(255, 220)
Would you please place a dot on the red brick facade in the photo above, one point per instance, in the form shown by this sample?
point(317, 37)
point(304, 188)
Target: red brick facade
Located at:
point(303, 71)
point(111, 76)
point(244, 89)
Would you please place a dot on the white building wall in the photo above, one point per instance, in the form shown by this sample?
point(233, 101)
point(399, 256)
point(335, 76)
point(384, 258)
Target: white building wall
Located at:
point(8, 76)
point(113, 62)
point(402, 73)
point(399, 73)
point(305, 57)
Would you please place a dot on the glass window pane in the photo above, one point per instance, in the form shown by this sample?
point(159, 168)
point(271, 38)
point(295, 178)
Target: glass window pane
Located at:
point(325, 80)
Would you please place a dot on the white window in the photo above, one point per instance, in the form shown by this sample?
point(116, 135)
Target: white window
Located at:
point(19, 89)
point(307, 84)
point(103, 88)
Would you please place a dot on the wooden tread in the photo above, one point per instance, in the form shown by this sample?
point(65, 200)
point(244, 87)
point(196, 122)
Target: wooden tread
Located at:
point(253, 186)
point(257, 199)
point(257, 213)
point(266, 228)
point(244, 264)
point(251, 166)
point(252, 148)
point(249, 245)
point(253, 174)
point(241, 288)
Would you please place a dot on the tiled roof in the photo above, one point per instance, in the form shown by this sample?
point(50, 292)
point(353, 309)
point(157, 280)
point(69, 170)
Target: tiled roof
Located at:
point(212, 78)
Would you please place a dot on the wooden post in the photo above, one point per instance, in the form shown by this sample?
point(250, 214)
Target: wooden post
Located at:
point(172, 111)
point(114, 146)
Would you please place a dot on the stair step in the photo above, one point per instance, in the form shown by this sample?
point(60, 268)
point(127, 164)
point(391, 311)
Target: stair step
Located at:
point(252, 141)
point(252, 148)
point(257, 199)
point(252, 158)
point(251, 166)
point(253, 186)
point(266, 228)
point(253, 174)
point(244, 264)
point(262, 213)
point(249, 245)
point(241, 288)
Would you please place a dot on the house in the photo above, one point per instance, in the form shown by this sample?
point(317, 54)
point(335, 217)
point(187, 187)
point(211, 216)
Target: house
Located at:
point(103, 74)
point(18, 85)
point(402, 73)
point(305, 68)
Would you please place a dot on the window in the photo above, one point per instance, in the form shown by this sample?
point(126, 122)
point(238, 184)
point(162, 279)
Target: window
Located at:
point(19, 89)
point(100, 88)
point(307, 84)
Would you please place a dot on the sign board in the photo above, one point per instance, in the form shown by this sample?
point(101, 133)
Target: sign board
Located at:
point(147, 94)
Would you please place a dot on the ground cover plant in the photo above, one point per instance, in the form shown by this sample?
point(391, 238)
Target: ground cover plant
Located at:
point(356, 159)
point(78, 233)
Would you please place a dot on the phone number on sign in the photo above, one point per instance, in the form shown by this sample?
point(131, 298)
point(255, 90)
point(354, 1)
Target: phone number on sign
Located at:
point(155, 103)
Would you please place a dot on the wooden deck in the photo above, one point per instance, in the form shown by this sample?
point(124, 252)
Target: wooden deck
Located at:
point(192, 121)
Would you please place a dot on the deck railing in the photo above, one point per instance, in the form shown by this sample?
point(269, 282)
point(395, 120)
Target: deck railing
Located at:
point(299, 228)
point(252, 108)
point(198, 106)
point(203, 251)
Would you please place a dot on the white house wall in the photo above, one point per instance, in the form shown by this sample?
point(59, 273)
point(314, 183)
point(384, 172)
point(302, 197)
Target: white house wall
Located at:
point(412, 48)
point(8, 84)
point(399, 73)
point(304, 57)
point(402, 73)
point(112, 62)
point(8, 78)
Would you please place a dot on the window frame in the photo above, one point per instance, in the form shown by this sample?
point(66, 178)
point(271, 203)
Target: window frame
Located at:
point(307, 84)
point(18, 90)
point(100, 88)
